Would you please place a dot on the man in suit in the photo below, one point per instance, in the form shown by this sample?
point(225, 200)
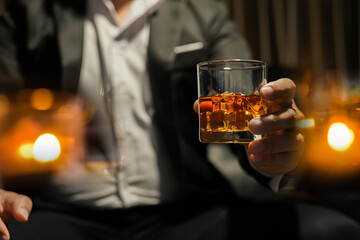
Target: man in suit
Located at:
point(140, 56)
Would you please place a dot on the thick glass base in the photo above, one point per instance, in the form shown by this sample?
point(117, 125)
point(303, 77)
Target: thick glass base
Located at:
point(228, 137)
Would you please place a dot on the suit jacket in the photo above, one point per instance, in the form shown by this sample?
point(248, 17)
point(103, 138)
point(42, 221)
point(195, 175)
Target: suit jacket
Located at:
point(41, 46)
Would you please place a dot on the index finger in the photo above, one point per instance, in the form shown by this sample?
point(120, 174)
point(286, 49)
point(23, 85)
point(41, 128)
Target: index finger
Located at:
point(196, 106)
point(18, 205)
point(283, 89)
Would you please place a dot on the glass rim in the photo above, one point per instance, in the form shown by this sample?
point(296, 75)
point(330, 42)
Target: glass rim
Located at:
point(256, 64)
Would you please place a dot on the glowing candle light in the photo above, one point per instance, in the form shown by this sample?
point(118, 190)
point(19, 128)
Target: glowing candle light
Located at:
point(26, 150)
point(42, 99)
point(46, 148)
point(340, 137)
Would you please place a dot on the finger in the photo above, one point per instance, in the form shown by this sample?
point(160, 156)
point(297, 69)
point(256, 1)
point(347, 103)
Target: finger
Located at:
point(283, 89)
point(287, 142)
point(278, 105)
point(19, 206)
point(274, 121)
point(196, 106)
point(4, 232)
point(299, 114)
point(275, 164)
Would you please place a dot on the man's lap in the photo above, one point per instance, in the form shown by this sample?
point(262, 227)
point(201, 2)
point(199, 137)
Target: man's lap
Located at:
point(190, 221)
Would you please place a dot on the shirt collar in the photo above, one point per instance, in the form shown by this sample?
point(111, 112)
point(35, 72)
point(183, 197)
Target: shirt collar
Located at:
point(139, 9)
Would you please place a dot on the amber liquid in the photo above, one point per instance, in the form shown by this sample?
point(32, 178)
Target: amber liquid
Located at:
point(225, 117)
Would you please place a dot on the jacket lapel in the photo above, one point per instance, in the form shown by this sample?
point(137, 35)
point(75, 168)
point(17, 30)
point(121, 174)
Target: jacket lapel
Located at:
point(70, 23)
point(165, 33)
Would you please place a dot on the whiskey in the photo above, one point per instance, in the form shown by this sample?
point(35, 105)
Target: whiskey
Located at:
point(223, 114)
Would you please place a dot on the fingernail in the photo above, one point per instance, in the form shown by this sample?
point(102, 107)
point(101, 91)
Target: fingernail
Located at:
point(3, 237)
point(257, 148)
point(24, 212)
point(267, 91)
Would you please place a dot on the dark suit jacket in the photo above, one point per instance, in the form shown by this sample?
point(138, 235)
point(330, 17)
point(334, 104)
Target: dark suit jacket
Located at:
point(41, 46)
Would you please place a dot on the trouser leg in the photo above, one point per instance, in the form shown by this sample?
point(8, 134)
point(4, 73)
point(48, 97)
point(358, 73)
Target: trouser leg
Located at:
point(192, 221)
point(320, 223)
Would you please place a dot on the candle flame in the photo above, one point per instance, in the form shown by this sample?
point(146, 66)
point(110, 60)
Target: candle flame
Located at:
point(340, 137)
point(46, 148)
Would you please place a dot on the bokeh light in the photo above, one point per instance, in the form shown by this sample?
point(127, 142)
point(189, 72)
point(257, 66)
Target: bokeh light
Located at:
point(46, 148)
point(4, 106)
point(26, 150)
point(305, 123)
point(42, 99)
point(340, 137)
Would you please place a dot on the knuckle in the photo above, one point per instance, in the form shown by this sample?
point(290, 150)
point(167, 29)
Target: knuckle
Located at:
point(294, 141)
point(17, 199)
point(290, 89)
point(300, 115)
point(300, 139)
point(292, 85)
point(24, 199)
point(291, 114)
point(271, 119)
point(289, 84)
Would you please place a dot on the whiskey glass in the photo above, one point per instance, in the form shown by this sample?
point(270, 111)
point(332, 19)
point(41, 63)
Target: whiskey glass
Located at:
point(229, 97)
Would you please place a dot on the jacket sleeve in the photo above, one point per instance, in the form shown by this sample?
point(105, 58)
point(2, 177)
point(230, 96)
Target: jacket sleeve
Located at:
point(224, 39)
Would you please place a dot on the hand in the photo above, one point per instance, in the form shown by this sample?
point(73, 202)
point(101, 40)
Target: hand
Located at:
point(13, 206)
point(280, 151)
